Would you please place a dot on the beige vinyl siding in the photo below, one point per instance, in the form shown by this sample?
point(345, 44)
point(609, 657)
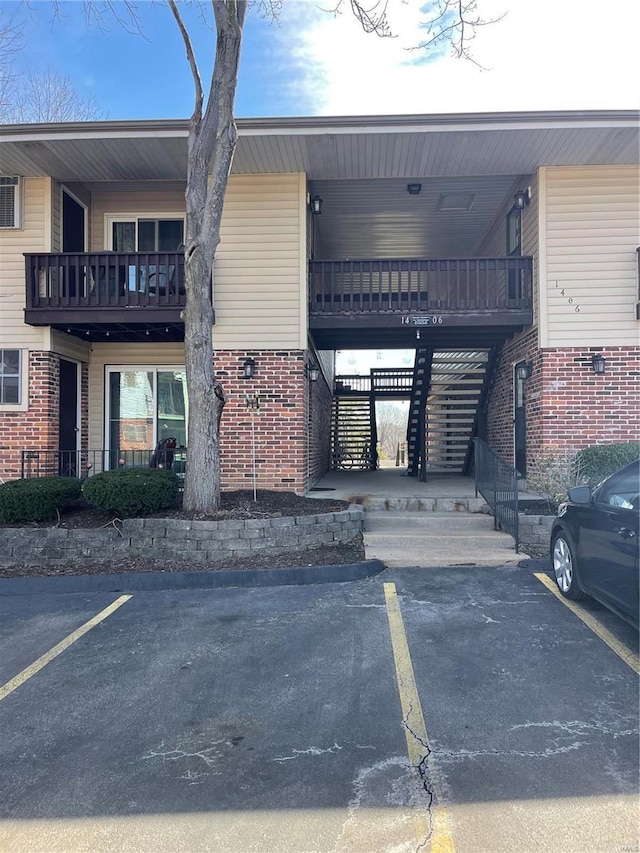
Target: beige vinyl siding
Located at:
point(70, 347)
point(259, 296)
point(148, 202)
point(593, 229)
point(153, 355)
point(34, 236)
point(258, 292)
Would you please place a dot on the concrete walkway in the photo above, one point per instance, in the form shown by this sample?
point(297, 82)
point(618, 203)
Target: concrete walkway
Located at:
point(409, 523)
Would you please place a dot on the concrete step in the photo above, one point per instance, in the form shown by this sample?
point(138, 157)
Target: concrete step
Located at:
point(424, 505)
point(426, 540)
point(417, 523)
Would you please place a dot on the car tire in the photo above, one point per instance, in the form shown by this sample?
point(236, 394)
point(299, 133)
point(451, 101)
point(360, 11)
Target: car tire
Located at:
point(564, 567)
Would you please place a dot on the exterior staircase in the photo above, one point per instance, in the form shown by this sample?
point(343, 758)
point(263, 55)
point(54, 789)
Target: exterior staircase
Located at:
point(417, 410)
point(353, 432)
point(455, 392)
point(448, 388)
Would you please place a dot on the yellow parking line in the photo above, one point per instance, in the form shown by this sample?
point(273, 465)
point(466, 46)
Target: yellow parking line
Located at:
point(47, 657)
point(414, 725)
point(625, 654)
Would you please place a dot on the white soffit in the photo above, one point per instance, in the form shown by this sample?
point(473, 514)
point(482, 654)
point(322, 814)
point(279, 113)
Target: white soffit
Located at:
point(330, 148)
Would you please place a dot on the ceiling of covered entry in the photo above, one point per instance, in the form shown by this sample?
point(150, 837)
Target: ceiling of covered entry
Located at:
point(380, 219)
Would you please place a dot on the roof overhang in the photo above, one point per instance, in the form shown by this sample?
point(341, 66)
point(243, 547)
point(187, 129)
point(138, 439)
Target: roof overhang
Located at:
point(330, 148)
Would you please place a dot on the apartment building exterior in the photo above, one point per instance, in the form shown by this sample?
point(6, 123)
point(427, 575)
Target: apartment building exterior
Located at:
point(508, 239)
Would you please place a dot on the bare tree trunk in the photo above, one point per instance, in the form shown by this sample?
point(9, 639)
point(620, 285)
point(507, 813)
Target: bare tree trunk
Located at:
point(212, 141)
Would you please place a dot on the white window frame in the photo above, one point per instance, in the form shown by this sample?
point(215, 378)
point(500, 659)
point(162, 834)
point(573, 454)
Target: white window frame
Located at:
point(23, 382)
point(110, 218)
point(142, 368)
point(17, 202)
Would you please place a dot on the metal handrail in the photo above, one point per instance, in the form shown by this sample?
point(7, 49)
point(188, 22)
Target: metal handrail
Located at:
point(84, 463)
point(497, 482)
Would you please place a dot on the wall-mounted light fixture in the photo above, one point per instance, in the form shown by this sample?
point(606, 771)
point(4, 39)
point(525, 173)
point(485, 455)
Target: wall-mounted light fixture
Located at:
point(248, 368)
point(523, 370)
point(316, 205)
point(598, 363)
point(522, 198)
point(414, 189)
point(312, 372)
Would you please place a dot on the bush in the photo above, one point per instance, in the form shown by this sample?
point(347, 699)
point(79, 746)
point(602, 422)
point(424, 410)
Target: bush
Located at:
point(132, 491)
point(36, 499)
point(601, 460)
point(554, 472)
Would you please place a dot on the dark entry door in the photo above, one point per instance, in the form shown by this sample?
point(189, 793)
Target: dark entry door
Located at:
point(72, 224)
point(520, 424)
point(68, 430)
point(73, 236)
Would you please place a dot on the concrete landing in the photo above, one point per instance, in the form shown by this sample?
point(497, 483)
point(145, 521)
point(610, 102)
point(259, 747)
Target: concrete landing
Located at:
point(430, 539)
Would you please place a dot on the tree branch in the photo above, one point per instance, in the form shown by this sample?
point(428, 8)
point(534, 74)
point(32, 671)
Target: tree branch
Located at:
point(197, 82)
point(455, 22)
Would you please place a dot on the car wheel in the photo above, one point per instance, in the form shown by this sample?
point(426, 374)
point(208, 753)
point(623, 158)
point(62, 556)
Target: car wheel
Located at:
point(564, 567)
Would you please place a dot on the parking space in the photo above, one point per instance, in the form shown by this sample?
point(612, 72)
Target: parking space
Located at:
point(272, 720)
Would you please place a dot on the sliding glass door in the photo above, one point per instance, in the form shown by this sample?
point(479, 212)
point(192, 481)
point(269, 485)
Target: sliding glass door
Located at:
point(144, 406)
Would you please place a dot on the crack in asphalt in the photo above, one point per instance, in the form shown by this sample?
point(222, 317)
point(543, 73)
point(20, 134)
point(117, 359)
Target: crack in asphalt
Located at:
point(576, 727)
point(422, 768)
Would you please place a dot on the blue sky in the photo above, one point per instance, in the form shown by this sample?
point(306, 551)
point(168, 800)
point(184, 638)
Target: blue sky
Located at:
point(547, 54)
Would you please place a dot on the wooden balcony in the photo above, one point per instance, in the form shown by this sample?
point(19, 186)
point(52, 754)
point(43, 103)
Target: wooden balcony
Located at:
point(137, 295)
point(392, 294)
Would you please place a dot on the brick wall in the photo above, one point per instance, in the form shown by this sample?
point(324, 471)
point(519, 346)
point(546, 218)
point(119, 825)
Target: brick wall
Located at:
point(319, 429)
point(280, 424)
point(37, 428)
point(581, 408)
point(567, 404)
point(500, 411)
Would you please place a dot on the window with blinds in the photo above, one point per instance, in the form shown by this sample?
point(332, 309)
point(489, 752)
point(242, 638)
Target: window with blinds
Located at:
point(9, 202)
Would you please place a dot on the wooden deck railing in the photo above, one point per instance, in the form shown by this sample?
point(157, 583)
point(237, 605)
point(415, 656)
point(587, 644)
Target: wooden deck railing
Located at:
point(459, 284)
point(105, 280)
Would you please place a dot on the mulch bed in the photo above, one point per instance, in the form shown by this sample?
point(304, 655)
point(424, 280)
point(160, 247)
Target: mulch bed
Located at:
point(234, 505)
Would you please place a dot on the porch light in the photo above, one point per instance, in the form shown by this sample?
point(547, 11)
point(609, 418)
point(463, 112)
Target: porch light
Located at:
point(312, 372)
point(522, 199)
point(598, 363)
point(414, 189)
point(316, 205)
point(523, 370)
point(248, 368)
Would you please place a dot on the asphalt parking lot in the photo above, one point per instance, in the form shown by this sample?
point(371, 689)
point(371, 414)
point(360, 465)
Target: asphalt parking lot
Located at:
point(460, 709)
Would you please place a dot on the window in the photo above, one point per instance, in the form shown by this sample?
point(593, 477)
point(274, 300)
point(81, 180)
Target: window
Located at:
point(147, 235)
point(9, 202)
point(622, 490)
point(10, 384)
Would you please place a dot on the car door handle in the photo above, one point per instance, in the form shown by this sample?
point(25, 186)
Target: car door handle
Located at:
point(627, 533)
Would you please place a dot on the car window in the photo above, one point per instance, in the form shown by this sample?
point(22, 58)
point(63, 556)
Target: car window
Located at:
point(622, 490)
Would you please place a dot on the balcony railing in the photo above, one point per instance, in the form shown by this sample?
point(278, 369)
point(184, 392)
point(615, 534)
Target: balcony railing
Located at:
point(420, 285)
point(103, 280)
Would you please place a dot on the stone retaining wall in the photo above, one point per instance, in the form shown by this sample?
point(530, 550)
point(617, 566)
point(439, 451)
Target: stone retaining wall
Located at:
point(535, 531)
point(171, 538)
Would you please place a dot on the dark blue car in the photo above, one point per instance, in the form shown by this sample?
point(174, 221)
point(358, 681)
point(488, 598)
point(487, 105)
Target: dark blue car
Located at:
point(594, 543)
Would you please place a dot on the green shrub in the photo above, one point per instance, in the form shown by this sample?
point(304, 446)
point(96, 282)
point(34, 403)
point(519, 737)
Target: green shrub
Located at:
point(601, 460)
point(132, 491)
point(36, 499)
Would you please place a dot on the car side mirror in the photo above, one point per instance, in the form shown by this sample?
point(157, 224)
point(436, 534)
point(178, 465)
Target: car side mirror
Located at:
point(580, 495)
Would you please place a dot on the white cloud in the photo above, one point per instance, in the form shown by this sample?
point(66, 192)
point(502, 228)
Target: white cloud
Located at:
point(544, 55)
